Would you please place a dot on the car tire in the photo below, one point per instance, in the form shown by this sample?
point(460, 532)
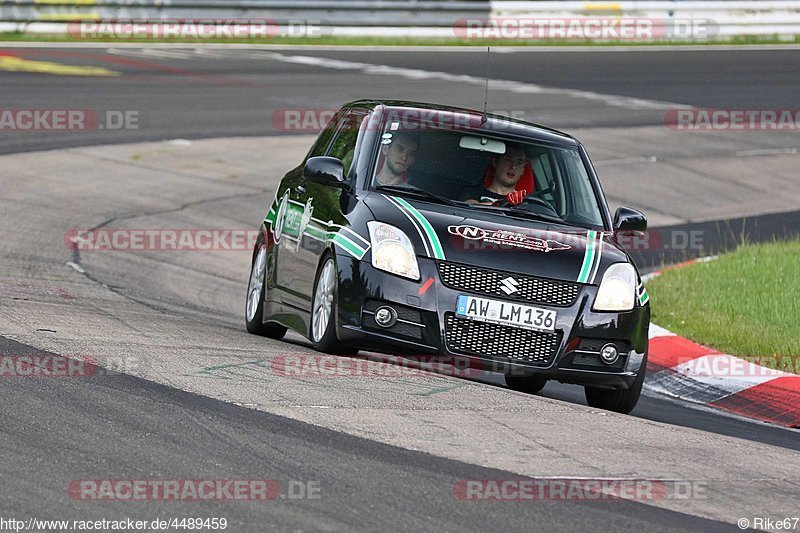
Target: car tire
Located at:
point(529, 384)
point(619, 400)
point(254, 302)
point(322, 326)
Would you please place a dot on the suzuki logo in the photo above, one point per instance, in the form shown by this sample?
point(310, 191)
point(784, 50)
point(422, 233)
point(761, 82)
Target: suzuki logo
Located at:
point(509, 285)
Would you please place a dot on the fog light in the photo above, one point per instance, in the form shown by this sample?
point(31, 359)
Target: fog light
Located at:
point(385, 316)
point(609, 354)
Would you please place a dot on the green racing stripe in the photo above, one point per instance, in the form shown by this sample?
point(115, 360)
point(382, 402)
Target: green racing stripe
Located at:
point(348, 245)
point(430, 233)
point(643, 296)
point(269, 220)
point(355, 244)
point(588, 257)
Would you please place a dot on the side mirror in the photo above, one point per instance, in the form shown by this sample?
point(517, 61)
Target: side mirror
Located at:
point(629, 220)
point(324, 170)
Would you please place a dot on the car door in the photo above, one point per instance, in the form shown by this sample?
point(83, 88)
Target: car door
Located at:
point(286, 270)
point(312, 210)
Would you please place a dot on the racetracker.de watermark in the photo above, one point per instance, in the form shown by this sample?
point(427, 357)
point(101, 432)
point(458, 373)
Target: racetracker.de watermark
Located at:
point(46, 366)
point(192, 490)
point(154, 239)
point(313, 366)
point(585, 28)
point(207, 29)
point(564, 489)
point(728, 366)
point(315, 119)
point(67, 120)
point(43, 365)
point(733, 119)
point(656, 239)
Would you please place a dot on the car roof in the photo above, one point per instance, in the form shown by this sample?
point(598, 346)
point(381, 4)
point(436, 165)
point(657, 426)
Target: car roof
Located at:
point(503, 125)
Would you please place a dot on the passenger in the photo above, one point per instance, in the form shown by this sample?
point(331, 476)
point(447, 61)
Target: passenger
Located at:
point(397, 156)
point(503, 178)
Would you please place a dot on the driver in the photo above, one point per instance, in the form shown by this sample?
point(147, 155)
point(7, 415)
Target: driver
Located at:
point(398, 155)
point(504, 175)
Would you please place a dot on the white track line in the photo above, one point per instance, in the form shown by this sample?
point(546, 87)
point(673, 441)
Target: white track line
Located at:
point(494, 84)
point(477, 48)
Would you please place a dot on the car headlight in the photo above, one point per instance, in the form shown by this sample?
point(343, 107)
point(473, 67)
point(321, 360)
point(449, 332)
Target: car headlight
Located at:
point(617, 290)
point(392, 250)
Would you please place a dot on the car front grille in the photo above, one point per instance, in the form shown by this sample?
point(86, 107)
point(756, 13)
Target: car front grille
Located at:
point(486, 339)
point(529, 289)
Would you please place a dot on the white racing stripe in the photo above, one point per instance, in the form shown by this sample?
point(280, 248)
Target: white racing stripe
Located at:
point(414, 223)
point(598, 257)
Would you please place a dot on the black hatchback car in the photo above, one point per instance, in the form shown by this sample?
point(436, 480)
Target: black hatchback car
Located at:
point(424, 229)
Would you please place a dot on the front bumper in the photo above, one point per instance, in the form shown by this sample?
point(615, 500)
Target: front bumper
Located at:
point(426, 326)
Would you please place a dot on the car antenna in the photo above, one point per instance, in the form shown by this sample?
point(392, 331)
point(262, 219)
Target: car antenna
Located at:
point(484, 118)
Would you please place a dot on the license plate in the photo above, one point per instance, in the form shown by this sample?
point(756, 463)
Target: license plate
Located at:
point(507, 313)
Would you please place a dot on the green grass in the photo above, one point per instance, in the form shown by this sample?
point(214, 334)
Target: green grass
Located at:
point(747, 303)
point(400, 41)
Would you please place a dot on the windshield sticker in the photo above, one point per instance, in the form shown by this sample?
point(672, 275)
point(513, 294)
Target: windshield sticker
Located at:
point(507, 238)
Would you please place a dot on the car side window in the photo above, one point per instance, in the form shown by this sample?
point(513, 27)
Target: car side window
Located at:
point(343, 146)
point(324, 139)
point(546, 180)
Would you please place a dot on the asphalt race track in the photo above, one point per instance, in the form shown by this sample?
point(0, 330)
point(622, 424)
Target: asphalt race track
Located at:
point(238, 90)
point(361, 483)
point(198, 398)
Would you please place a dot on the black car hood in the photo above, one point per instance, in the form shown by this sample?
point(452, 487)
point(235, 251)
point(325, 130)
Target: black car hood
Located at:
point(482, 238)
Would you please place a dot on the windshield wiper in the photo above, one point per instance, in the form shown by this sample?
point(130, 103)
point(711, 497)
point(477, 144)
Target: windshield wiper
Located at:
point(416, 191)
point(511, 211)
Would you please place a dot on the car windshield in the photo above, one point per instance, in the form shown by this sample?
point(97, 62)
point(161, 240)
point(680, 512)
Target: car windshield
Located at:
point(480, 170)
